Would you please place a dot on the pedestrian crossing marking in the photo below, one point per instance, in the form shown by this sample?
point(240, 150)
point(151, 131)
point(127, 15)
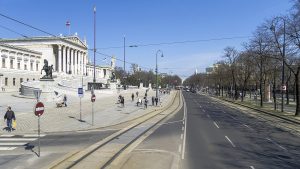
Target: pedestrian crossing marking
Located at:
point(17, 139)
point(10, 142)
point(7, 148)
point(13, 144)
point(7, 135)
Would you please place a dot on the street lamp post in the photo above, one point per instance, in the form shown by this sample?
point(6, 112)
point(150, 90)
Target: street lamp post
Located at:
point(124, 63)
point(283, 58)
point(156, 71)
point(94, 78)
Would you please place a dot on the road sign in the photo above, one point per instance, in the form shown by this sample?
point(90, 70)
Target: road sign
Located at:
point(39, 109)
point(93, 98)
point(37, 93)
point(80, 92)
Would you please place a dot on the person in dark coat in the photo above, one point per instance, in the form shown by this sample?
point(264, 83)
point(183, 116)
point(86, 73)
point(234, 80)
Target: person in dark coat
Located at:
point(9, 116)
point(132, 97)
point(153, 100)
point(156, 100)
point(65, 100)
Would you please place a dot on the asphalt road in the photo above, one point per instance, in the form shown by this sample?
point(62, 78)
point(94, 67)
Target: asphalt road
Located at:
point(215, 136)
point(53, 147)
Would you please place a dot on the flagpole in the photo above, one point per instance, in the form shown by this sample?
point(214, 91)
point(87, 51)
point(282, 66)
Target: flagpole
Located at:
point(94, 80)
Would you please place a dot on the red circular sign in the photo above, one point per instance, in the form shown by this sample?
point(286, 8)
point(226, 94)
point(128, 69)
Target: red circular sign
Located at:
point(93, 98)
point(39, 109)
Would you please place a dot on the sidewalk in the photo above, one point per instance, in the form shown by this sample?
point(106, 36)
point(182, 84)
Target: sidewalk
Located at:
point(106, 113)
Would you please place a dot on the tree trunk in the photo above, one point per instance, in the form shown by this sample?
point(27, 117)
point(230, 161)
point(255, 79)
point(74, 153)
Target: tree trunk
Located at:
point(287, 93)
point(274, 93)
point(222, 90)
point(297, 113)
point(261, 95)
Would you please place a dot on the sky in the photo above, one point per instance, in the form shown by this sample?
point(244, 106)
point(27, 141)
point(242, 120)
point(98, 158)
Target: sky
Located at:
point(145, 22)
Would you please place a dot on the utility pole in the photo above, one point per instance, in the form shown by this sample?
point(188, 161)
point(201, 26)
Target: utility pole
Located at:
point(94, 79)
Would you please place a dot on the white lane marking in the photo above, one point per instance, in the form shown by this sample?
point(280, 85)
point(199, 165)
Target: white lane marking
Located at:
point(181, 136)
point(184, 134)
point(179, 149)
point(248, 127)
point(12, 144)
point(17, 139)
point(182, 128)
point(230, 141)
point(276, 144)
point(252, 167)
point(216, 125)
point(7, 148)
point(34, 135)
point(7, 135)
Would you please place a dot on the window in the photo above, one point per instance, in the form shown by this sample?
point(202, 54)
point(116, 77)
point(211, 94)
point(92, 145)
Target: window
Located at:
point(37, 67)
point(19, 65)
point(25, 66)
point(14, 81)
point(6, 81)
point(11, 63)
point(21, 80)
point(31, 66)
point(3, 62)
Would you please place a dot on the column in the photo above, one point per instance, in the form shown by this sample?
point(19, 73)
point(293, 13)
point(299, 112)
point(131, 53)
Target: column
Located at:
point(59, 59)
point(64, 67)
point(76, 62)
point(72, 61)
point(81, 57)
point(68, 60)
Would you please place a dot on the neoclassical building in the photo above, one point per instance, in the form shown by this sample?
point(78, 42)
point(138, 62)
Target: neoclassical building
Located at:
point(23, 59)
point(18, 65)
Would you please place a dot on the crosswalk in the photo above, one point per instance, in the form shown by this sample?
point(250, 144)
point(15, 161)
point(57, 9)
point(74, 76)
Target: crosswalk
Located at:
point(10, 142)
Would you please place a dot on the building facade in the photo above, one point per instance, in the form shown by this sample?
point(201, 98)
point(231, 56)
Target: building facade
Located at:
point(18, 65)
point(22, 60)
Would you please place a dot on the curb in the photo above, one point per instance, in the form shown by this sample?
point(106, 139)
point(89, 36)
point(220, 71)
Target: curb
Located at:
point(259, 110)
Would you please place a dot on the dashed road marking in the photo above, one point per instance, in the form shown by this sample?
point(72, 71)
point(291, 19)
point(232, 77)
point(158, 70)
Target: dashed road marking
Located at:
point(7, 135)
point(179, 148)
point(276, 144)
point(34, 135)
point(230, 141)
point(248, 127)
point(181, 136)
point(7, 148)
point(13, 144)
point(252, 167)
point(216, 124)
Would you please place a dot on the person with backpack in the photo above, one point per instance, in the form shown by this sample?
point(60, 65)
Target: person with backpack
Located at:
point(9, 116)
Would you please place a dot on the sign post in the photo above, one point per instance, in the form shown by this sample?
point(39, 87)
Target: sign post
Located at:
point(80, 94)
point(38, 111)
point(93, 99)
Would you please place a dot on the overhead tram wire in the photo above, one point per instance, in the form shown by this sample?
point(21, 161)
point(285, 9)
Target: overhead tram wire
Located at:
point(8, 29)
point(179, 42)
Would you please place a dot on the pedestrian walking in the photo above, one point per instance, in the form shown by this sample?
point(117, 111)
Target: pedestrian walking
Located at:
point(123, 101)
point(65, 100)
point(132, 97)
point(137, 94)
point(9, 116)
point(156, 101)
point(146, 103)
point(153, 100)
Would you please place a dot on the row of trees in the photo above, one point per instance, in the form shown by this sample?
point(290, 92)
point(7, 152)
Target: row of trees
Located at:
point(146, 77)
point(274, 47)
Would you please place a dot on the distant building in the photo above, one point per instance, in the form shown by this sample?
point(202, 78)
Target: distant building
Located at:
point(22, 59)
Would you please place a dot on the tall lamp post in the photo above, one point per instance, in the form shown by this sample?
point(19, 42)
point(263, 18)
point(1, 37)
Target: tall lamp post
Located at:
point(283, 57)
point(156, 71)
point(94, 78)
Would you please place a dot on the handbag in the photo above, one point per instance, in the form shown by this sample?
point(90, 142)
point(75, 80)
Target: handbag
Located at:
point(14, 124)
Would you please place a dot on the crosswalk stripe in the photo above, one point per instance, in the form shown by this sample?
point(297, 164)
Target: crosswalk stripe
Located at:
point(33, 135)
point(6, 135)
point(7, 148)
point(13, 144)
point(17, 139)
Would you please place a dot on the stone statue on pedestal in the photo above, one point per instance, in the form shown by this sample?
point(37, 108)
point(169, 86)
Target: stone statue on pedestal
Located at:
point(48, 70)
